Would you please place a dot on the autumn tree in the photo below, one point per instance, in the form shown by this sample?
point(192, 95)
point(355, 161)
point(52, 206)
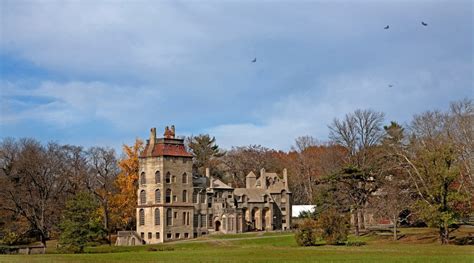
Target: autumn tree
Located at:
point(205, 152)
point(240, 161)
point(434, 162)
point(124, 202)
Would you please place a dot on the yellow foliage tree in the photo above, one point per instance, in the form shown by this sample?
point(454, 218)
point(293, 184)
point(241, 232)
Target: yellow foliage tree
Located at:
point(125, 201)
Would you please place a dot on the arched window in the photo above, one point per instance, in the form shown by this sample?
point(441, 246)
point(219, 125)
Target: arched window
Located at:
point(142, 197)
point(141, 217)
point(157, 216)
point(195, 197)
point(185, 196)
point(157, 196)
point(168, 196)
point(157, 177)
point(168, 178)
point(169, 217)
point(142, 178)
point(185, 178)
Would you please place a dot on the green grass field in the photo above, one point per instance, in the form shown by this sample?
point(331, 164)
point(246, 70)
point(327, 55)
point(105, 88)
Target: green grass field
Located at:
point(416, 246)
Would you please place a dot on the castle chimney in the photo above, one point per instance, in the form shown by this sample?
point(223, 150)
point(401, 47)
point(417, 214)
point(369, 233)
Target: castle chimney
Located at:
point(152, 136)
point(172, 131)
point(285, 177)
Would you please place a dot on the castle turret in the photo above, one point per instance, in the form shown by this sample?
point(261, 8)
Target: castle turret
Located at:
point(250, 180)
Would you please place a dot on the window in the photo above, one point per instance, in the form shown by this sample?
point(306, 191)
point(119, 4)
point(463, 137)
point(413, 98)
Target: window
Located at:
point(195, 197)
point(169, 217)
point(157, 177)
point(185, 178)
point(175, 199)
point(185, 196)
point(168, 196)
point(187, 219)
point(283, 208)
point(142, 178)
point(142, 235)
point(203, 221)
point(157, 196)
point(186, 235)
point(210, 223)
point(157, 235)
point(168, 236)
point(209, 201)
point(173, 179)
point(196, 220)
point(157, 217)
point(142, 197)
point(202, 197)
point(168, 178)
point(177, 235)
point(175, 214)
point(141, 217)
point(184, 218)
point(149, 235)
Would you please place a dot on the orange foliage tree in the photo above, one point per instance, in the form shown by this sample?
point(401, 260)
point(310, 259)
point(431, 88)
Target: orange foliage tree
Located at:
point(124, 202)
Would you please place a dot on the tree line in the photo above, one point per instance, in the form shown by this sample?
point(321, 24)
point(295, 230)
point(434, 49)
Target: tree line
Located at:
point(422, 170)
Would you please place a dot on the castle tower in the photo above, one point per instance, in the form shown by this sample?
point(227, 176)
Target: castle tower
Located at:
point(165, 208)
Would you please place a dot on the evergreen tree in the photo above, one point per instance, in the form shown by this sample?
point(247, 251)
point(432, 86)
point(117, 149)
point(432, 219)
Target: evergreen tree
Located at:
point(81, 223)
point(205, 151)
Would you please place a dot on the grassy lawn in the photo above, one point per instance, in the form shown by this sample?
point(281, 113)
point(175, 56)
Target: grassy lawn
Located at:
point(269, 247)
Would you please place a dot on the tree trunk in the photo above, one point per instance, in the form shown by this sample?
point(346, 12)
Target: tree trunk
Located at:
point(444, 235)
point(356, 222)
point(395, 237)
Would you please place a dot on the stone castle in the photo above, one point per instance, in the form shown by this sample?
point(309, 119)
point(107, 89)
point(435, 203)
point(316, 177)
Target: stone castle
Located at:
point(174, 204)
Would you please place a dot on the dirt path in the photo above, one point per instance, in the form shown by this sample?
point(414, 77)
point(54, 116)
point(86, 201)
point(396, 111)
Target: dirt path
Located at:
point(226, 239)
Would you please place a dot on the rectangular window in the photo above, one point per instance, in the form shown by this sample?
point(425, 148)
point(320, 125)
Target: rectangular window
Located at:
point(283, 221)
point(202, 197)
point(210, 223)
point(203, 221)
point(175, 199)
point(184, 218)
point(196, 220)
point(186, 235)
point(283, 208)
point(177, 235)
point(187, 219)
point(175, 214)
point(149, 235)
point(142, 235)
point(157, 235)
point(195, 197)
point(168, 236)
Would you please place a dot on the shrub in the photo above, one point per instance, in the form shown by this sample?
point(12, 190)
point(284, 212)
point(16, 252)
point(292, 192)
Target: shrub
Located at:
point(308, 233)
point(334, 227)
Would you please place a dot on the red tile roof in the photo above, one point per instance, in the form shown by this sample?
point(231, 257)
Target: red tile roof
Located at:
point(166, 149)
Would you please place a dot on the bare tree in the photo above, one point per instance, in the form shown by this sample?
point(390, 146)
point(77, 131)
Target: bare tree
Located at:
point(34, 183)
point(359, 132)
point(103, 171)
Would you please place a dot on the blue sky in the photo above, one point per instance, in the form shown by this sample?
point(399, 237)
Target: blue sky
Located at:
point(104, 72)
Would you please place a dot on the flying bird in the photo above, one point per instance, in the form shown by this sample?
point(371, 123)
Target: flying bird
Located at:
point(423, 23)
point(390, 85)
point(254, 60)
point(387, 27)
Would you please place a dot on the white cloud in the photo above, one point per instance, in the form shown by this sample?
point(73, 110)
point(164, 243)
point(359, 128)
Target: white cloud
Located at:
point(69, 103)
